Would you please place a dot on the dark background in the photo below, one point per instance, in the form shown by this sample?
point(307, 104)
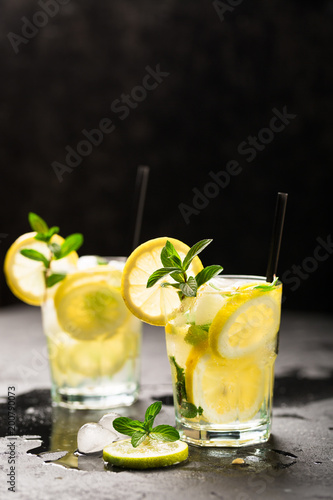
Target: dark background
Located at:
point(227, 72)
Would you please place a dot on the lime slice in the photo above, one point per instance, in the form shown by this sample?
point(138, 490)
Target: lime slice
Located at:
point(245, 322)
point(148, 455)
point(148, 304)
point(88, 304)
point(25, 277)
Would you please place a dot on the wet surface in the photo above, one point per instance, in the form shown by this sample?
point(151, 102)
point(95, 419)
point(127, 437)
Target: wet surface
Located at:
point(57, 428)
point(299, 390)
point(297, 461)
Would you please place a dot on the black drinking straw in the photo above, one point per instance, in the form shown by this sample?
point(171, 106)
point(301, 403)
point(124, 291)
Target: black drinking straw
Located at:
point(139, 201)
point(275, 244)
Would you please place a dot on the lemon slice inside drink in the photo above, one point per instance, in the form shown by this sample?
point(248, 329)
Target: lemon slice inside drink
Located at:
point(245, 322)
point(149, 304)
point(148, 455)
point(89, 305)
point(25, 277)
point(226, 390)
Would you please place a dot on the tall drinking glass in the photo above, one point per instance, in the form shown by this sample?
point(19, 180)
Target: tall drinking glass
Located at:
point(222, 346)
point(93, 340)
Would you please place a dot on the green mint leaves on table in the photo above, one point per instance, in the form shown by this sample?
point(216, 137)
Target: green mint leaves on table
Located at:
point(173, 266)
point(267, 287)
point(139, 431)
point(187, 410)
point(44, 234)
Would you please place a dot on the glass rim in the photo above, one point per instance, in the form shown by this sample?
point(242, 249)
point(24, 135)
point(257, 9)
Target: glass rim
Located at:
point(250, 277)
point(241, 276)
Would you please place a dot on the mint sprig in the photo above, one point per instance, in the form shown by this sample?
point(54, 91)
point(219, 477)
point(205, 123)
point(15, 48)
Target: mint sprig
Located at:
point(139, 431)
point(44, 234)
point(174, 267)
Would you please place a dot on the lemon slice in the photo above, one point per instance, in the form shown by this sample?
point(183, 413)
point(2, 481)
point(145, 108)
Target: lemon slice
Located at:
point(25, 277)
point(246, 321)
point(73, 363)
point(148, 304)
point(89, 305)
point(227, 390)
point(148, 455)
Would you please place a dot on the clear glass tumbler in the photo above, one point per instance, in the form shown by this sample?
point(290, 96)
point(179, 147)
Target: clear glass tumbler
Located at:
point(222, 347)
point(93, 340)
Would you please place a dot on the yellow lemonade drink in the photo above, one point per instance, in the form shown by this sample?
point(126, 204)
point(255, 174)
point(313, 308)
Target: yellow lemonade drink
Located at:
point(93, 340)
point(222, 346)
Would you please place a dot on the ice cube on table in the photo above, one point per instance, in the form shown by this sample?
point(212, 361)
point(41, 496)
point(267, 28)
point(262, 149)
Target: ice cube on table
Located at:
point(107, 420)
point(92, 437)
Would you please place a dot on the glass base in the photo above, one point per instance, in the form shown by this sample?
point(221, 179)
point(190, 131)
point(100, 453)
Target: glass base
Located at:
point(92, 400)
point(224, 437)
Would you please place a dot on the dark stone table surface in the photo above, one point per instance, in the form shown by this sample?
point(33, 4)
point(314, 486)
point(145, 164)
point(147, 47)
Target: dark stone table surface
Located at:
point(297, 462)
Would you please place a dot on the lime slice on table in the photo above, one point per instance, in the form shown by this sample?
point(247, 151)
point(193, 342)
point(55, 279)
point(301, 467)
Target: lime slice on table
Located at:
point(148, 455)
point(148, 304)
point(89, 305)
point(245, 322)
point(25, 277)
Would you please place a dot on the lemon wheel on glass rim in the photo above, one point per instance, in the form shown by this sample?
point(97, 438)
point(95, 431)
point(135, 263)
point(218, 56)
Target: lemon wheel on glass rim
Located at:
point(148, 304)
point(25, 277)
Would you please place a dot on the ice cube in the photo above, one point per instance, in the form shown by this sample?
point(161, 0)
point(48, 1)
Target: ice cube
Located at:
point(87, 261)
point(107, 420)
point(207, 308)
point(93, 437)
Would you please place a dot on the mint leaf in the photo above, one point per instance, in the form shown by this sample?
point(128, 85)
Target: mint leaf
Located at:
point(127, 426)
point(34, 255)
point(189, 410)
point(164, 433)
point(180, 384)
point(266, 287)
point(138, 437)
point(207, 274)
point(190, 288)
point(71, 244)
point(170, 256)
point(172, 253)
point(178, 276)
point(52, 279)
point(149, 424)
point(55, 249)
point(194, 251)
point(153, 410)
point(160, 273)
point(37, 223)
point(196, 334)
